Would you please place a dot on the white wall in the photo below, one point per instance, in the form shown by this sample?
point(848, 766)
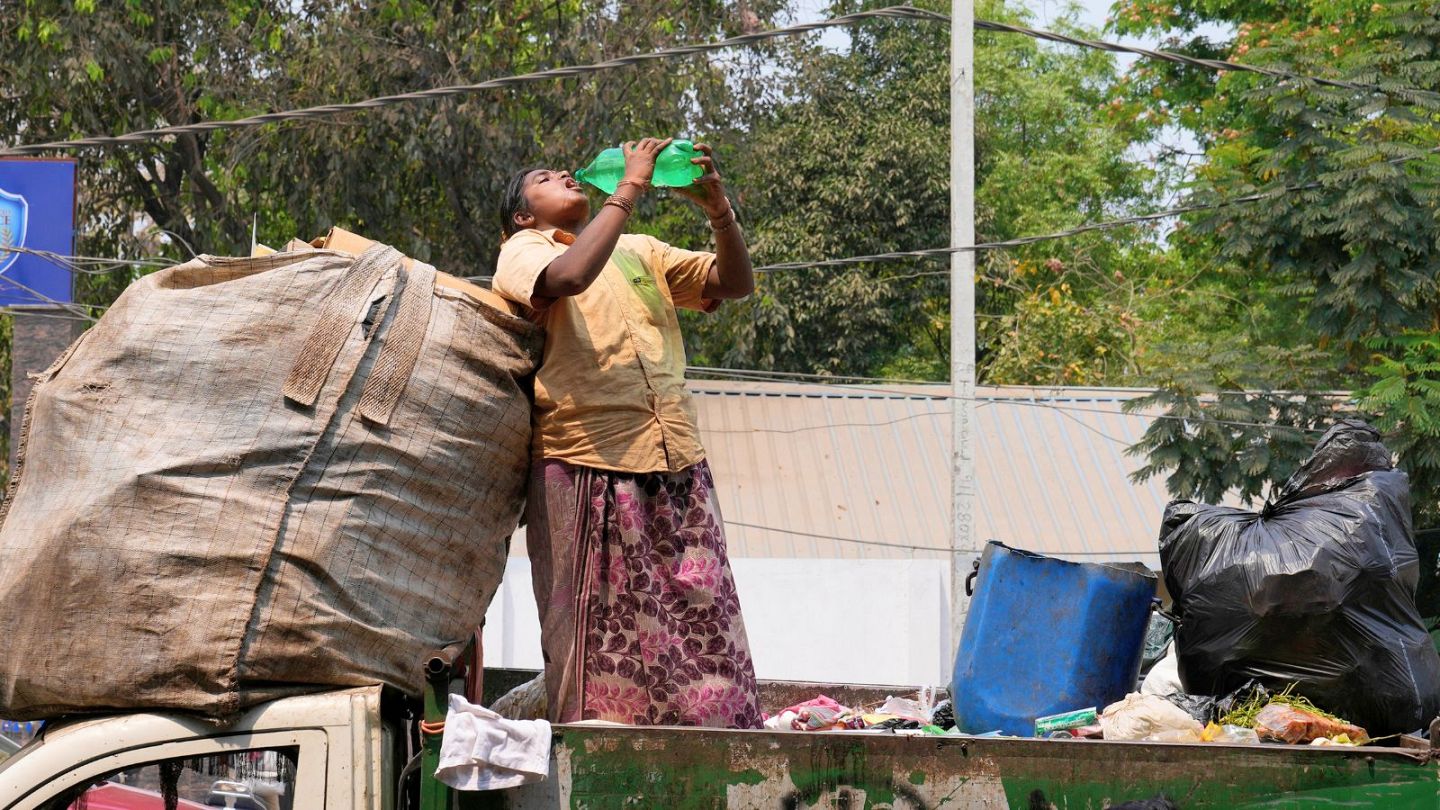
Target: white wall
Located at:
point(837, 621)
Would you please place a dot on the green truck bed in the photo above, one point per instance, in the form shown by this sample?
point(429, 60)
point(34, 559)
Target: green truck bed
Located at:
point(614, 767)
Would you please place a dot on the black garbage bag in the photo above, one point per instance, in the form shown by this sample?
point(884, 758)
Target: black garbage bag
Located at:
point(1210, 709)
point(1317, 589)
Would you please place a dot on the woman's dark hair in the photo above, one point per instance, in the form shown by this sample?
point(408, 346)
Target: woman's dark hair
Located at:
point(513, 201)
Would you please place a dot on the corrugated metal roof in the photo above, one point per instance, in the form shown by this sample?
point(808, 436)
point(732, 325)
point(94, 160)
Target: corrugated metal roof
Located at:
point(824, 471)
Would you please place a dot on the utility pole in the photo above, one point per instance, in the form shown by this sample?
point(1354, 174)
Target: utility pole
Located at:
point(963, 548)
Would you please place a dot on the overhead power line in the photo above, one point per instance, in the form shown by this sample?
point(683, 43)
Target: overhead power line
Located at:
point(913, 547)
point(332, 110)
point(892, 12)
point(99, 265)
point(1218, 65)
point(88, 265)
point(1105, 225)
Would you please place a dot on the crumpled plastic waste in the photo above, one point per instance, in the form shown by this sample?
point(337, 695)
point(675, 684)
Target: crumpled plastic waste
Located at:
point(944, 714)
point(1164, 677)
point(820, 700)
point(1137, 717)
point(1174, 735)
point(894, 723)
point(896, 715)
point(904, 708)
point(827, 718)
point(1289, 724)
point(782, 721)
point(1238, 735)
point(1212, 733)
point(821, 713)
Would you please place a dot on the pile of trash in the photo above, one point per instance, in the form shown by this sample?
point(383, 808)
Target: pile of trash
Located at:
point(1250, 716)
point(897, 715)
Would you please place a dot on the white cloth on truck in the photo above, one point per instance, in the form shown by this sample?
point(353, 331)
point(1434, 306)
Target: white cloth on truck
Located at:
point(483, 751)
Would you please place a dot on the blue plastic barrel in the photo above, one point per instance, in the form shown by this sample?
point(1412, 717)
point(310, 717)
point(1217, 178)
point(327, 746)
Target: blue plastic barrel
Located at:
point(1045, 636)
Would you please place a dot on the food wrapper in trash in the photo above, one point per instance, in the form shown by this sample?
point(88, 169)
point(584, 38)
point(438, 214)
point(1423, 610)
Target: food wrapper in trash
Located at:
point(1065, 722)
point(1288, 724)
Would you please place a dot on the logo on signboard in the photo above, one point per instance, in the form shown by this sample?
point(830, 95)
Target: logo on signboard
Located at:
point(14, 215)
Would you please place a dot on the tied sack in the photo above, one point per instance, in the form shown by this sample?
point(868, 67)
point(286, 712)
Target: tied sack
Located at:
point(1316, 590)
point(258, 477)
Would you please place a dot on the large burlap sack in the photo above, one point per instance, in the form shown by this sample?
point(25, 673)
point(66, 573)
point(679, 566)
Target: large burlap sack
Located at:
point(260, 476)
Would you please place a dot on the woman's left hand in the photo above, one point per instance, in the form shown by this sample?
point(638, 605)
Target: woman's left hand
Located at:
point(707, 191)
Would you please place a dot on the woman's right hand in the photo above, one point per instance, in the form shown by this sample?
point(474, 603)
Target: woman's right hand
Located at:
point(640, 159)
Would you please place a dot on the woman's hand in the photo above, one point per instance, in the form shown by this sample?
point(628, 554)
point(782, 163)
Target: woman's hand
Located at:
point(707, 191)
point(640, 160)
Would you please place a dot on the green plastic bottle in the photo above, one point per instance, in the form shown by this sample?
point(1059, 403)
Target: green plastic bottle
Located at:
point(673, 168)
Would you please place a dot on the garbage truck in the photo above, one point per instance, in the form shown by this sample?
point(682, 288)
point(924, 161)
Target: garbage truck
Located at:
point(370, 748)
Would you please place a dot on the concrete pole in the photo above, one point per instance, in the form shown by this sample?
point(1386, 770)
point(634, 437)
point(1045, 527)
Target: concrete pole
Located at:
point(963, 548)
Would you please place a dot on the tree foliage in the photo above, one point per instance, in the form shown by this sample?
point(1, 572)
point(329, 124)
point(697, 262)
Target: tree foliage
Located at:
point(1319, 276)
point(855, 161)
point(423, 176)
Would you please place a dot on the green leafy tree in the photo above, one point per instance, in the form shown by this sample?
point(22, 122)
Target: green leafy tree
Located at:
point(1318, 275)
point(1404, 404)
point(853, 159)
point(423, 176)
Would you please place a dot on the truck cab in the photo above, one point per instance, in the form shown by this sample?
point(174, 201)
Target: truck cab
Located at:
point(333, 750)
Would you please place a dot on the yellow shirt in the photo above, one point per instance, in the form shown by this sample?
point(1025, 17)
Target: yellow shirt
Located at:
point(610, 392)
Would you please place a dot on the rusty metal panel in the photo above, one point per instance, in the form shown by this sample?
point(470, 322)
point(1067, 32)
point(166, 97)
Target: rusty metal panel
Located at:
point(611, 767)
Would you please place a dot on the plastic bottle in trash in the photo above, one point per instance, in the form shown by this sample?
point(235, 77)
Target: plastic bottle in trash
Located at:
point(673, 168)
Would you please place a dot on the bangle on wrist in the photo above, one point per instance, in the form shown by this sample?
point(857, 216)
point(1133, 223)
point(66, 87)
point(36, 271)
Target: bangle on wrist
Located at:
point(639, 185)
point(623, 203)
point(722, 227)
point(723, 221)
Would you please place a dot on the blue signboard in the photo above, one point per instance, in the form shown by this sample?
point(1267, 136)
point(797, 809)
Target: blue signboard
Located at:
point(37, 212)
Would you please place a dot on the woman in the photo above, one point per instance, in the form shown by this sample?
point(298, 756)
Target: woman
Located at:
point(639, 618)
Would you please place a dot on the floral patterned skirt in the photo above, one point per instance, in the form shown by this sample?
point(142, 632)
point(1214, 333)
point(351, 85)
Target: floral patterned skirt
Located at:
point(639, 619)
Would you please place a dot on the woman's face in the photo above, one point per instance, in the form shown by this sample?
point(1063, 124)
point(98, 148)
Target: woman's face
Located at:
point(555, 198)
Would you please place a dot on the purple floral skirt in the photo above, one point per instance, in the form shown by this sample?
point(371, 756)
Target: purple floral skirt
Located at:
point(639, 619)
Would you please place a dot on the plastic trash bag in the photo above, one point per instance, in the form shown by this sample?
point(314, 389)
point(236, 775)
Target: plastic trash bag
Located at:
point(1209, 709)
point(1157, 641)
point(1138, 717)
point(1234, 735)
point(1316, 589)
point(1164, 678)
point(944, 714)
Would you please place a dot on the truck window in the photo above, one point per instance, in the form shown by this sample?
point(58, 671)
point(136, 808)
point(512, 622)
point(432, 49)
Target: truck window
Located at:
point(259, 779)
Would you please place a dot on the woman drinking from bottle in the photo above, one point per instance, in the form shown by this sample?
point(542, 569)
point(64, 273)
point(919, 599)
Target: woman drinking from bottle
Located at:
point(639, 618)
